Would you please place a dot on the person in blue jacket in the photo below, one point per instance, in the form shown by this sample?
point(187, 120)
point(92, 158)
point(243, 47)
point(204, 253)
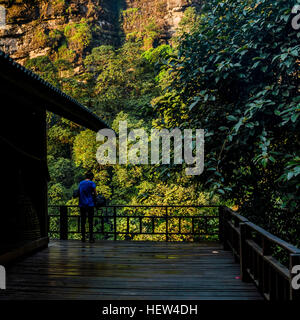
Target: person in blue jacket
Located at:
point(87, 193)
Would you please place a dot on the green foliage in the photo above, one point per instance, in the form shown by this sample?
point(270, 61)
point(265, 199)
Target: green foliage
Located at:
point(62, 170)
point(56, 193)
point(131, 16)
point(122, 80)
point(151, 34)
point(158, 57)
point(40, 38)
point(45, 68)
point(233, 71)
point(84, 149)
point(78, 35)
point(140, 29)
point(187, 24)
point(59, 139)
point(65, 53)
point(237, 77)
point(55, 37)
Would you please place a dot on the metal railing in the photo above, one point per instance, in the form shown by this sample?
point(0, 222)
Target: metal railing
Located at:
point(191, 223)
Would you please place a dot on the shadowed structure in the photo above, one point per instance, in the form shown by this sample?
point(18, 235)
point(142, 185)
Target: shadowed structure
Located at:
point(25, 98)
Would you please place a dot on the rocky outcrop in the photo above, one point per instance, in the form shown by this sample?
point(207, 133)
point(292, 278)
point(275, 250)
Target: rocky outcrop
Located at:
point(68, 29)
point(165, 14)
point(175, 9)
point(65, 29)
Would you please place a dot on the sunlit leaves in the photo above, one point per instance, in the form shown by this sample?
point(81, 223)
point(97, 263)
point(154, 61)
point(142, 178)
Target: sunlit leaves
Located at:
point(238, 73)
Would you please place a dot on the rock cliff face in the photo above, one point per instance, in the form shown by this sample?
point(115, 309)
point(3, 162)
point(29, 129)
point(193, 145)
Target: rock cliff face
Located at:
point(62, 28)
point(166, 14)
point(68, 29)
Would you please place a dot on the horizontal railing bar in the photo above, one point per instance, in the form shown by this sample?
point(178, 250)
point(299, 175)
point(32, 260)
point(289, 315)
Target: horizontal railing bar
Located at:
point(141, 206)
point(278, 266)
point(143, 217)
point(236, 215)
point(275, 263)
point(252, 244)
point(273, 239)
point(203, 224)
point(143, 233)
point(232, 215)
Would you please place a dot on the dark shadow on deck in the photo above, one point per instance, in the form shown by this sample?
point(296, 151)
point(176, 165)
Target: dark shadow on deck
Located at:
point(128, 270)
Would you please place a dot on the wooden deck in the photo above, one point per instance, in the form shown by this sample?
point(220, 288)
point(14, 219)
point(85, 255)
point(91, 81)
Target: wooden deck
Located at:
point(110, 270)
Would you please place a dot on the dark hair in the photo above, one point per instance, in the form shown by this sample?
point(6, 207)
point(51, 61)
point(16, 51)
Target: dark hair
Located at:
point(89, 175)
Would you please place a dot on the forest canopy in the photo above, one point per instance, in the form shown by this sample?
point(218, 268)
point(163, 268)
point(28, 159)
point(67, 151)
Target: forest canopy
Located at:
point(232, 69)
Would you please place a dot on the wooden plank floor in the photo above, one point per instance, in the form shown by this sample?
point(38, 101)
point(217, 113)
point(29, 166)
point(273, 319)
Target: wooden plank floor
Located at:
point(127, 270)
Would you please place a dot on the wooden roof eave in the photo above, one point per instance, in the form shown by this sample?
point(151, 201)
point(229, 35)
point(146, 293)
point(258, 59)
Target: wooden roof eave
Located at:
point(52, 99)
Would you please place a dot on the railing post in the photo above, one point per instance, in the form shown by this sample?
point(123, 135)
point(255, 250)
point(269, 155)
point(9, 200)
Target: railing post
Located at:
point(266, 277)
point(115, 224)
point(63, 210)
point(244, 254)
point(294, 277)
point(222, 228)
point(167, 225)
point(221, 225)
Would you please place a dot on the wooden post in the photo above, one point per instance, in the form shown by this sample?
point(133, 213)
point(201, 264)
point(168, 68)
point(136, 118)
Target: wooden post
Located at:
point(244, 255)
point(167, 225)
point(102, 225)
point(115, 224)
point(272, 284)
point(153, 226)
point(128, 228)
point(63, 210)
point(266, 249)
point(223, 234)
point(141, 225)
point(221, 226)
point(179, 225)
point(295, 277)
point(44, 187)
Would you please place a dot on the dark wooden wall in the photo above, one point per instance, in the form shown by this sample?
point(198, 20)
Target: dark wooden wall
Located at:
point(23, 168)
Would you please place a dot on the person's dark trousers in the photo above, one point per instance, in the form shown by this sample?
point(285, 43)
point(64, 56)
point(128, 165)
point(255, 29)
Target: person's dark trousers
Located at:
point(87, 212)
